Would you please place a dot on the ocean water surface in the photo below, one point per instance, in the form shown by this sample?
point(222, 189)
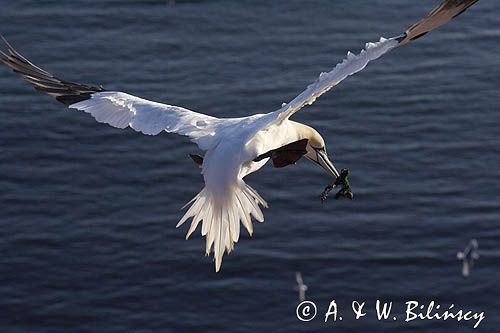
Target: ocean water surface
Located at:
point(88, 212)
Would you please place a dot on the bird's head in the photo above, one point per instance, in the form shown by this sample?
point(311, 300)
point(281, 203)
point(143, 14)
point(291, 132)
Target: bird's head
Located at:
point(316, 148)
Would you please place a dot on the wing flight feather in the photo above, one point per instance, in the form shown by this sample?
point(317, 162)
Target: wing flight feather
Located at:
point(115, 108)
point(352, 64)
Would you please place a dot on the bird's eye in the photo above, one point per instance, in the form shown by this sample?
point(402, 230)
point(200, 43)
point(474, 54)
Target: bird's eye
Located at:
point(322, 149)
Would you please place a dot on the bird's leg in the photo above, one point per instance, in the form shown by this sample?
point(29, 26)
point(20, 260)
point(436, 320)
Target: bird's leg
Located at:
point(345, 190)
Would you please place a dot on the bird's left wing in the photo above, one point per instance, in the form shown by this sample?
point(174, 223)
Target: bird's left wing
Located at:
point(298, 278)
point(442, 14)
point(115, 108)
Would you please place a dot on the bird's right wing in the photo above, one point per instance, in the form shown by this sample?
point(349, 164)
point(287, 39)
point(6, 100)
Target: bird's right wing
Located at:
point(354, 63)
point(115, 108)
point(442, 14)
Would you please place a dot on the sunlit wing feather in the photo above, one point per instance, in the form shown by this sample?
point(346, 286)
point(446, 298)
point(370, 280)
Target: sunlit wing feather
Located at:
point(442, 14)
point(117, 109)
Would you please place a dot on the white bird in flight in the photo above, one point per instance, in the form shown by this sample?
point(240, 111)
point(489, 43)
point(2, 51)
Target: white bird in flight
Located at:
point(234, 147)
point(468, 256)
point(301, 287)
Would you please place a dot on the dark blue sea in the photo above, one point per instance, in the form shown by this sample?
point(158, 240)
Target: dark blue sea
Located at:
point(88, 212)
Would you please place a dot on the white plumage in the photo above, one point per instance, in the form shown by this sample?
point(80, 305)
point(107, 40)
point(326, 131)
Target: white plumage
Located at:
point(232, 146)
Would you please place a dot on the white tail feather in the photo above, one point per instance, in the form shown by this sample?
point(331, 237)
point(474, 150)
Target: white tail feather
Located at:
point(222, 216)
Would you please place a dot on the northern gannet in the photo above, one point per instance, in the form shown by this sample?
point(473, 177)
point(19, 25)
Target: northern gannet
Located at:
point(234, 147)
point(468, 256)
point(301, 287)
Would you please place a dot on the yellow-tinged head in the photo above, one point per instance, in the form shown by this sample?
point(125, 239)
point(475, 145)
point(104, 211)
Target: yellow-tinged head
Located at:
point(316, 149)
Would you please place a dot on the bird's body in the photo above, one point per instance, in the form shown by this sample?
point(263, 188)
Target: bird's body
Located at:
point(229, 198)
point(234, 147)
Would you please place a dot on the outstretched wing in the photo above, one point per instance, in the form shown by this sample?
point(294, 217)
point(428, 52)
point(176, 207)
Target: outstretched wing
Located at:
point(117, 109)
point(298, 278)
point(442, 14)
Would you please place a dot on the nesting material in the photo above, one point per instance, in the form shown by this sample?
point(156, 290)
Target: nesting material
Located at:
point(345, 190)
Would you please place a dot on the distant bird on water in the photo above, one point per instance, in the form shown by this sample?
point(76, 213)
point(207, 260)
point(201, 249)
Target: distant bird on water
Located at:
point(468, 257)
point(234, 147)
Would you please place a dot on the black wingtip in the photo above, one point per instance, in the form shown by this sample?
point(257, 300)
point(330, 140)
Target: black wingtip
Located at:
point(401, 37)
point(419, 36)
point(9, 47)
point(463, 10)
point(63, 91)
point(73, 99)
point(3, 54)
point(446, 11)
point(4, 40)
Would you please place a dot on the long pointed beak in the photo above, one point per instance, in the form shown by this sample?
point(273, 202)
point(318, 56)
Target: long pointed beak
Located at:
point(326, 164)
